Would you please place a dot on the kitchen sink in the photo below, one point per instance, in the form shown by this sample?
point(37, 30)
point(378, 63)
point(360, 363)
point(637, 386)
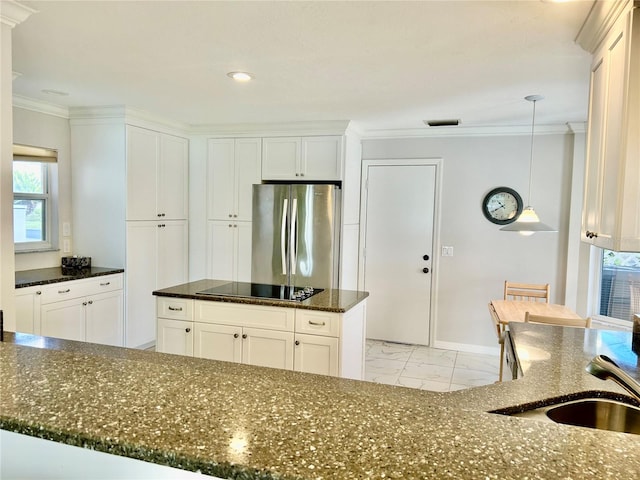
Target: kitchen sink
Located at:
point(598, 413)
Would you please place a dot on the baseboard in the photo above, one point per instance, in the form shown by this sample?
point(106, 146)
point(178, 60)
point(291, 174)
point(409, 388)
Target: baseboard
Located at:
point(466, 347)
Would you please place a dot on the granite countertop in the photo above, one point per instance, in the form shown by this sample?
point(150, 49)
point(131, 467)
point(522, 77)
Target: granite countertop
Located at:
point(44, 276)
point(238, 421)
point(329, 300)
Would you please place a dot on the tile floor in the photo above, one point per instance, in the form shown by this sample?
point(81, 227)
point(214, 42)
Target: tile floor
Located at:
point(428, 368)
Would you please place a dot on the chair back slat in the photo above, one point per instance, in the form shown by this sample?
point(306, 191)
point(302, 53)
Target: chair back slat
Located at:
point(560, 321)
point(526, 292)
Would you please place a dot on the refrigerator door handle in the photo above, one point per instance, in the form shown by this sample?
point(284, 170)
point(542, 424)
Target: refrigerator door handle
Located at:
point(293, 236)
point(283, 236)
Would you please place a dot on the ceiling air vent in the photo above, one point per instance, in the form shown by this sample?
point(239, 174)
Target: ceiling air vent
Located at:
point(442, 123)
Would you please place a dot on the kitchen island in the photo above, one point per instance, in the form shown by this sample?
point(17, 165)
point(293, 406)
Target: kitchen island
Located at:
point(230, 420)
point(323, 333)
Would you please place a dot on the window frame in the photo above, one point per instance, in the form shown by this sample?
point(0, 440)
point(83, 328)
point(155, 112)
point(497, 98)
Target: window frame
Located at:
point(49, 242)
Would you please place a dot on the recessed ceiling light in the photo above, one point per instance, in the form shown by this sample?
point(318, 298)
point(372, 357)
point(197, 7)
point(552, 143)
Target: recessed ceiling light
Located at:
point(57, 93)
point(240, 76)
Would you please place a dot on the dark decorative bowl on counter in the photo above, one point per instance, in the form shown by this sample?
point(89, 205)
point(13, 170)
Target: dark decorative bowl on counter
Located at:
point(76, 262)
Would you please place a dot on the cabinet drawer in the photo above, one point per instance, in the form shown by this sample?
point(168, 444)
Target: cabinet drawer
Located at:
point(317, 323)
point(176, 308)
point(244, 315)
point(80, 288)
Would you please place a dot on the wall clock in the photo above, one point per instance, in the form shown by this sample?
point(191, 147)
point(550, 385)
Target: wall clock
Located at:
point(502, 205)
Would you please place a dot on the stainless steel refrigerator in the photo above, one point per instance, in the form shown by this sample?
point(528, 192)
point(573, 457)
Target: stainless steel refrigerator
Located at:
point(296, 235)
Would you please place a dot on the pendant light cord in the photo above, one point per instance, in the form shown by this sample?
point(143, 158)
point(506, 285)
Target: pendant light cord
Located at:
point(533, 122)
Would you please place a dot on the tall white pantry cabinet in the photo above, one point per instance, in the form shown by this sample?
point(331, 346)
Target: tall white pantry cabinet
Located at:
point(130, 192)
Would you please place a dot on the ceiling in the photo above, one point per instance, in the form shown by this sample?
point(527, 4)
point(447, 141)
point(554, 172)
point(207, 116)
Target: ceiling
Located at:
point(386, 66)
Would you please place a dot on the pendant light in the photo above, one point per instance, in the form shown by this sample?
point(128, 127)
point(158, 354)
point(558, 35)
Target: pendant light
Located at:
point(528, 222)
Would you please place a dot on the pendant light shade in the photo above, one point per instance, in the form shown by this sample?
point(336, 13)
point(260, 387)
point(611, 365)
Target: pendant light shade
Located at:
point(528, 221)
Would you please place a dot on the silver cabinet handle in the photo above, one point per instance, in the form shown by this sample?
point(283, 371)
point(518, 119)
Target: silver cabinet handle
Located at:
point(319, 324)
point(175, 309)
point(64, 291)
point(105, 284)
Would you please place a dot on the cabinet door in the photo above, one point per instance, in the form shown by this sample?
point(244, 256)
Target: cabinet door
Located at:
point(322, 158)
point(242, 264)
point(104, 321)
point(141, 271)
point(142, 154)
point(592, 195)
point(248, 172)
point(173, 176)
point(218, 342)
point(173, 253)
point(175, 336)
point(64, 320)
point(220, 179)
point(316, 354)
point(267, 348)
point(28, 310)
point(220, 250)
point(281, 158)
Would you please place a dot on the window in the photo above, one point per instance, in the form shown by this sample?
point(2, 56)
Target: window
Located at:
point(32, 205)
point(620, 276)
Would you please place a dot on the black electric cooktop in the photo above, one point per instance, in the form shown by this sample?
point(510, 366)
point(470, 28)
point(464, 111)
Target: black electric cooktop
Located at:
point(262, 290)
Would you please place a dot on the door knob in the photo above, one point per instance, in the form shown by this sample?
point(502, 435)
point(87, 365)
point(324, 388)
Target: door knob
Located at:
point(425, 257)
point(425, 270)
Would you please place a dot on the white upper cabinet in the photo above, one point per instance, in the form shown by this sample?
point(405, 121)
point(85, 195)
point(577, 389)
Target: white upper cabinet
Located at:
point(611, 217)
point(233, 167)
point(317, 158)
point(157, 175)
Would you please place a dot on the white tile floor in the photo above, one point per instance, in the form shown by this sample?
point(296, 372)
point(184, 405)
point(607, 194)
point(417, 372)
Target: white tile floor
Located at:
point(428, 368)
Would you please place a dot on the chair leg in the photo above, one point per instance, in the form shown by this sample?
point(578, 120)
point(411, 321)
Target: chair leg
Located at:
point(501, 360)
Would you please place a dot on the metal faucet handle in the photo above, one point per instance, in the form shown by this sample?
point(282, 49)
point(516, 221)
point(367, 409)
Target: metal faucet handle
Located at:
point(604, 368)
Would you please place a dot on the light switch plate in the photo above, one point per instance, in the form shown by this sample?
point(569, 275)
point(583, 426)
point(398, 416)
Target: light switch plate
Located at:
point(447, 251)
point(66, 229)
point(66, 246)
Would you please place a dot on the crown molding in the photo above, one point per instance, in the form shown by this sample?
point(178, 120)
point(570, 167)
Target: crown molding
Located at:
point(577, 127)
point(601, 18)
point(13, 13)
point(332, 127)
point(464, 131)
point(39, 106)
point(131, 116)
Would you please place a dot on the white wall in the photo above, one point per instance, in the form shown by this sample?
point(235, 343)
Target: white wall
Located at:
point(42, 130)
point(484, 257)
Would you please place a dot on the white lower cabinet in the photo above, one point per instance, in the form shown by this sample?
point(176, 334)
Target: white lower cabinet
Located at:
point(293, 339)
point(316, 354)
point(28, 309)
point(90, 310)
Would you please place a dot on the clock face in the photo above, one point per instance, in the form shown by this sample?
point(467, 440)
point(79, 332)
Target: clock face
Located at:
point(502, 205)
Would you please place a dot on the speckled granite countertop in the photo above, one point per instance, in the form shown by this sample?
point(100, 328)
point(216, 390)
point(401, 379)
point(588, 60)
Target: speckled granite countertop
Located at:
point(329, 300)
point(44, 276)
point(237, 421)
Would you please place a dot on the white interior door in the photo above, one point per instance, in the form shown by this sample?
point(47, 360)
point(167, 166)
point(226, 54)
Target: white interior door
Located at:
point(400, 207)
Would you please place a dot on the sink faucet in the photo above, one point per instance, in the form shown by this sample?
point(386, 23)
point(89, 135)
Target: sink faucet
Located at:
point(603, 367)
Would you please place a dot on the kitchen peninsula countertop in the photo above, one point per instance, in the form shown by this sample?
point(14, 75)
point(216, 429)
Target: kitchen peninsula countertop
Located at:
point(186, 413)
point(329, 300)
point(45, 276)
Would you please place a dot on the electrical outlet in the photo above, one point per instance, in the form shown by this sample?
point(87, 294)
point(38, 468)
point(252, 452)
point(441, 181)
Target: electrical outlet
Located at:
point(447, 251)
point(66, 246)
point(66, 229)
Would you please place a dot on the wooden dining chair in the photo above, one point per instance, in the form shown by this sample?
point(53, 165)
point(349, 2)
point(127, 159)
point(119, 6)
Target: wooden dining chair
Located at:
point(526, 291)
point(562, 322)
point(500, 332)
